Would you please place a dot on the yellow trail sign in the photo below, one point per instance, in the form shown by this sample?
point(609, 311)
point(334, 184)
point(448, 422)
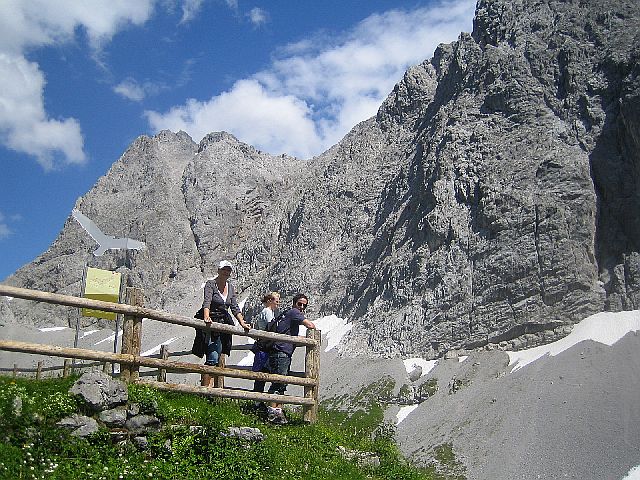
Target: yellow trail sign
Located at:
point(101, 285)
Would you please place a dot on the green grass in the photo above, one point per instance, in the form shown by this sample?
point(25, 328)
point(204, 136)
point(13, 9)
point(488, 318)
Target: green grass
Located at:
point(32, 447)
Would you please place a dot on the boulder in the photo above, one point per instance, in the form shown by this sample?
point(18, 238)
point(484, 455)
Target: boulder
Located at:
point(99, 391)
point(80, 425)
point(115, 417)
point(142, 424)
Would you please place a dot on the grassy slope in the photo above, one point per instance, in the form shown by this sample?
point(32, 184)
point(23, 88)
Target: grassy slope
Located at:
point(32, 447)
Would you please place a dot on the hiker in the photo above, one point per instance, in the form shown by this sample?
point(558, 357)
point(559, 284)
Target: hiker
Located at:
point(219, 297)
point(271, 301)
point(281, 353)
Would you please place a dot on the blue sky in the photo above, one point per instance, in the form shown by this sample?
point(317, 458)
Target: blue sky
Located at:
point(80, 80)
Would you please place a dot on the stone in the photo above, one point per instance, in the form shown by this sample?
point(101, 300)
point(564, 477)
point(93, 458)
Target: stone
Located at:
point(141, 442)
point(118, 434)
point(363, 459)
point(80, 425)
point(133, 409)
point(142, 424)
point(450, 354)
point(247, 434)
point(416, 373)
point(99, 391)
point(113, 418)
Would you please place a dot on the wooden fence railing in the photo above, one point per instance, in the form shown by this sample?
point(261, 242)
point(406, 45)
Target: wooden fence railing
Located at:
point(130, 359)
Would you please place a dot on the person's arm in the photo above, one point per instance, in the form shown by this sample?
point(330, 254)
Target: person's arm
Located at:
point(241, 321)
point(308, 324)
point(235, 308)
point(206, 304)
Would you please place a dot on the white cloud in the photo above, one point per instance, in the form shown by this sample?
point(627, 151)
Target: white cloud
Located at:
point(5, 231)
point(251, 112)
point(190, 9)
point(258, 16)
point(133, 90)
point(25, 125)
point(319, 88)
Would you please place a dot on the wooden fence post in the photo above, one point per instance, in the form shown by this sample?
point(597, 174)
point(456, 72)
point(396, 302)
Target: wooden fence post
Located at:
point(312, 370)
point(15, 370)
point(162, 372)
point(218, 380)
point(131, 334)
point(39, 370)
point(66, 368)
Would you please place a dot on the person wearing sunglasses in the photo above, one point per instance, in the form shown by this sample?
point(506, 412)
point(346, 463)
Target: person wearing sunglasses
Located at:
point(280, 355)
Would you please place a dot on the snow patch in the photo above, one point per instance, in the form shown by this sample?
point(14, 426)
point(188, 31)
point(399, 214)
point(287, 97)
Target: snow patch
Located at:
point(410, 365)
point(156, 349)
point(462, 358)
point(247, 360)
point(52, 329)
point(404, 412)
point(605, 327)
point(333, 329)
point(89, 332)
point(634, 474)
point(109, 338)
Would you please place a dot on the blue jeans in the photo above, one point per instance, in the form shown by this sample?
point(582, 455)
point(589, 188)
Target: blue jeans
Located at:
point(214, 348)
point(279, 363)
point(260, 364)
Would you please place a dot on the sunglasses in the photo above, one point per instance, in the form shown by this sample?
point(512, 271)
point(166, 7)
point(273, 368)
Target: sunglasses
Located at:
point(301, 305)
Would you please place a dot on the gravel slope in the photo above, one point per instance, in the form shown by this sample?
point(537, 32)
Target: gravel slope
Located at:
point(575, 415)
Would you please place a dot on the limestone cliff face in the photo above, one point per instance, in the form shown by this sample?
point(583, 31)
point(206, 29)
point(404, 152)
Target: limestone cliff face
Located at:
point(495, 194)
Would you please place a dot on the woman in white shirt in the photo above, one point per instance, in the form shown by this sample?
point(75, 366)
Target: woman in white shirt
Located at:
point(271, 301)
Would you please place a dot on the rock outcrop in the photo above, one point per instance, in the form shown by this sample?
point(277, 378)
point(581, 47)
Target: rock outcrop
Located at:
point(493, 196)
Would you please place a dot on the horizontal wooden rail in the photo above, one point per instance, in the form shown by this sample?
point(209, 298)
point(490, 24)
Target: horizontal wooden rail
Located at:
point(141, 312)
point(229, 393)
point(55, 351)
point(52, 368)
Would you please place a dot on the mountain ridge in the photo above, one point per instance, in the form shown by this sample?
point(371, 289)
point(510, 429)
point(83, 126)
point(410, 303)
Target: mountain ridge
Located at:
point(490, 199)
